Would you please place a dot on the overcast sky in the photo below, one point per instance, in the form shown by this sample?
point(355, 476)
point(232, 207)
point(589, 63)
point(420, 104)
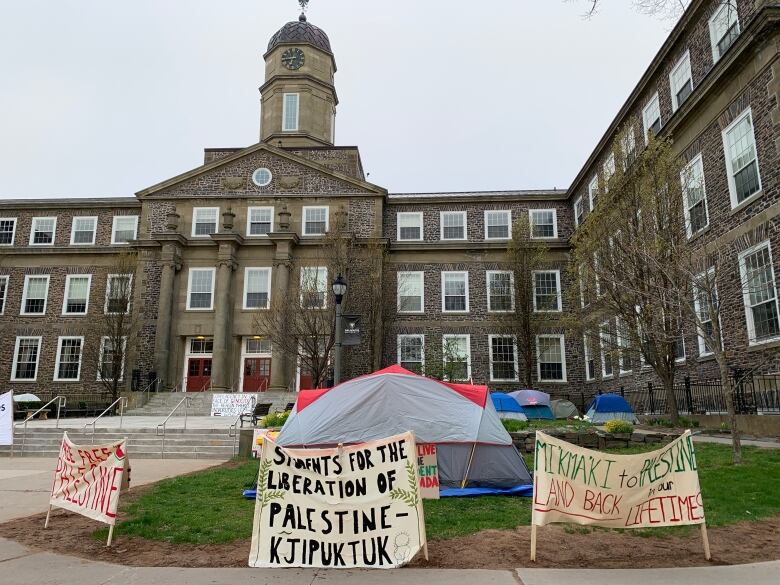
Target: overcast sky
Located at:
point(105, 98)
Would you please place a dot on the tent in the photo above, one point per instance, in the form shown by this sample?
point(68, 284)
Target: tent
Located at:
point(563, 408)
point(507, 407)
point(535, 404)
point(474, 449)
point(609, 407)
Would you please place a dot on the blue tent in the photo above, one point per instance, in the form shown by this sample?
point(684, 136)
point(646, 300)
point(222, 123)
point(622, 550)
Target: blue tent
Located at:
point(507, 407)
point(606, 407)
point(535, 404)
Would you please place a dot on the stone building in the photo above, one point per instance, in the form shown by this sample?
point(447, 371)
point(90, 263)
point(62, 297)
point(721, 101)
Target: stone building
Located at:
point(218, 244)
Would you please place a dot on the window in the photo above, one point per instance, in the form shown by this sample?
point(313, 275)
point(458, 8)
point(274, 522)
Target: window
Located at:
point(3, 293)
point(42, 231)
point(453, 225)
point(257, 288)
point(760, 293)
point(257, 346)
point(119, 290)
point(125, 228)
point(501, 291)
point(68, 364)
point(314, 287)
point(26, 353)
point(503, 358)
point(411, 352)
point(579, 211)
point(315, 221)
point(550, 358)
point(498, 225)
point(705, 294)
point(34, 297)
point(680, 81)
point(455, 292)
point(741, 160)
point(593, 191)
point(590, 363)
point(584, 300)
point(290, 112)
point(204, 345)
point(7, 231)
point(651, 117)
point(112, 358)
point(607, 346)
point(695, 197)
point(724, 28)
point(625, 353)
point(204, 221)
point(259, 221)
point(628, 144)
point(76, 298)
point(411, 292)
point(679, 350)
point(609, 170)
point(262, 177)
point(456, 353)
point(547, 290)
point(200, 289)
point(409, 225)
point(82, 231)
point(544, 223)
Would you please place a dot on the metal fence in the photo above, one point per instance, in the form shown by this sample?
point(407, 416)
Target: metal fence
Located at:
point(79, 405)
point(753, 394)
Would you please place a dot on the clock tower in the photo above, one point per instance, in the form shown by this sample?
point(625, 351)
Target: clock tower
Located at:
point(298, 98)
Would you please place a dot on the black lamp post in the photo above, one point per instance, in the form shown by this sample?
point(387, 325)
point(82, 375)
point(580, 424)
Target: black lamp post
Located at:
point(339, 290)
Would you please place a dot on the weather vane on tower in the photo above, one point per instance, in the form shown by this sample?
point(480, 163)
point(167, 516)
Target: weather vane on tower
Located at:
point(304, 5)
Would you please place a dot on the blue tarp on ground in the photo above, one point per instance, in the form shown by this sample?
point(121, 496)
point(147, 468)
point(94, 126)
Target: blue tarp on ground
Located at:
point(518, 490)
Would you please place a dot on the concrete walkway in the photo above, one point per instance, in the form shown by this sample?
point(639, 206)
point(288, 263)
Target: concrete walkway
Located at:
point(764, 444)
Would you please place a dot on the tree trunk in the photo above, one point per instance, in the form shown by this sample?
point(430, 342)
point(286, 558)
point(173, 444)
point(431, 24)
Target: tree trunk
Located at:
point(671, 400)
point(728, 395)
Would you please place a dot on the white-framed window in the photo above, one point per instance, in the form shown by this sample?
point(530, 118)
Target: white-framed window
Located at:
point(411, 352)
point(76, 298)
point(200, 289)
point(26, 355)
point(290, 112)
point(262, 177)
point(456, 353)
point(453, 225)
point(454, 292)
point(500, 291)
point(257, 288)
point(703, 295)
point(695, 196)
point(579, 211)
point(550, 358)
point(724, 28)
point(628, 144)
point(680, 81)
point(609, 170)
point(498, 224)
point(119, 293)
point(112, 359)
point(760, 293)
point(7, 231)
point(547, 291)
point(590, 363)
point(314, 287)
point(409, 226)
point(502, 350)
point(411, 292)
point(255, 346)
point(625, 352)
point(125, 228)
point(593, 191)
point(67, 366)
point(607, 345)
point(82, 231)
point(42, 231)
point(259, 221)
point(679, 350)
point(204, 221)
point(35, 294)
point(651, 116)
point(739, 144)
point(315, 221)
point(3, 292)
point(544, 224)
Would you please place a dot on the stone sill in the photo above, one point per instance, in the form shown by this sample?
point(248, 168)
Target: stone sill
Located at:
point(763, 345)
point(752, 199)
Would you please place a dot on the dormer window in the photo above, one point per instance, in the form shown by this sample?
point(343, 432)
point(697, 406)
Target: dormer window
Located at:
point(290, 112)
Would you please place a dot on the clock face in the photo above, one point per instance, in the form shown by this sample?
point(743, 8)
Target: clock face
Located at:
point(293, 58)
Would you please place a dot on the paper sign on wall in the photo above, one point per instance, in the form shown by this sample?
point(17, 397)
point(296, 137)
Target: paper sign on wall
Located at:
point(428, 470)
point(232, 404)
point(355, 506)
point(7, 418)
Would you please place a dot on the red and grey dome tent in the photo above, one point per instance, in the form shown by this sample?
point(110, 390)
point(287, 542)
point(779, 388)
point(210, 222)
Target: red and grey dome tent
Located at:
point(474, 450)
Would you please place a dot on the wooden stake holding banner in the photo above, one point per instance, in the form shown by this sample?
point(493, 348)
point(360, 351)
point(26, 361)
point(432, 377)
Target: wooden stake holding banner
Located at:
point(580, 486)
point(48, 513)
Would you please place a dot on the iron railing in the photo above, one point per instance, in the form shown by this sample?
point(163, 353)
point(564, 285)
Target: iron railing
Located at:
point(186, 401)
point(122, 401)
point(61, 402)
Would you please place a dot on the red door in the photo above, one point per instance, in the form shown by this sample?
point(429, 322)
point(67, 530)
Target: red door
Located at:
point(257, 374)
point(198, 374)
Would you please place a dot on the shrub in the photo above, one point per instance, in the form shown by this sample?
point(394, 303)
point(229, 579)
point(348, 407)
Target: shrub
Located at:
point(275, 419)
point(618, 426)
point(513, 425)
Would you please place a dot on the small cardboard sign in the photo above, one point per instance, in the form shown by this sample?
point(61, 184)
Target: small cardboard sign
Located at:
point(7, 418)
point(428, 470)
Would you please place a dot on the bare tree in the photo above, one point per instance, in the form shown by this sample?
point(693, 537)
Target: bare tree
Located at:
point(667, 9)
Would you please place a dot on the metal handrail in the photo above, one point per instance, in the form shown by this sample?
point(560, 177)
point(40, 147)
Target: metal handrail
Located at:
point(233, 428)
point(61, 402)
point(186, 402)
point(122, 405)
point(145, 392)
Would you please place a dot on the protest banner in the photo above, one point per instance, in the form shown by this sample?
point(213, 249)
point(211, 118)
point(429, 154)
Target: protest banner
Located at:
point(345, 507)
point(88, 480)
point(428, 470)
point(581, 486)
point(7, 418)
point(232, 404)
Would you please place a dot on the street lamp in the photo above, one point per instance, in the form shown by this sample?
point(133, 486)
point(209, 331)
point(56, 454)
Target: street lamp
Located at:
point(339, 290)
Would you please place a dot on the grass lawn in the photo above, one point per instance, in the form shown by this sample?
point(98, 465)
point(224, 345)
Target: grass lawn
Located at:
point(207, 507)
